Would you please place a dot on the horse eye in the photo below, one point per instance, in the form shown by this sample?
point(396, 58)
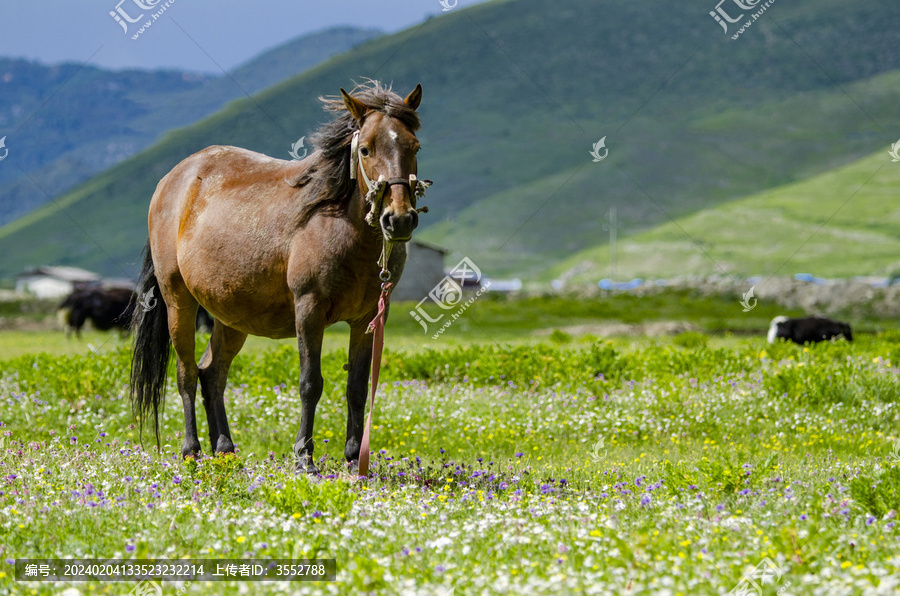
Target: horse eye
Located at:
point(364, 151)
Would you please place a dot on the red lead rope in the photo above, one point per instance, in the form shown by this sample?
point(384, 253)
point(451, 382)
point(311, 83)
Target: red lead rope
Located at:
point(377, 326)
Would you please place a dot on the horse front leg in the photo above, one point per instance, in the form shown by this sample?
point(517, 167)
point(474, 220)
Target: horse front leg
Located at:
point(310, 331)
point(360, 359)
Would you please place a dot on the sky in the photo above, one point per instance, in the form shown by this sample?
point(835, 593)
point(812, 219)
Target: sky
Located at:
point(197, 35)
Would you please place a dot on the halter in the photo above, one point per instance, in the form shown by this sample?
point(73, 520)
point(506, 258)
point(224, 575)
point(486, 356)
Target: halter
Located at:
point(375, 190)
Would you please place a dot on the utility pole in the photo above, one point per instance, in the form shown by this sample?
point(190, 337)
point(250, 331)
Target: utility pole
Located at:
point(613, 248)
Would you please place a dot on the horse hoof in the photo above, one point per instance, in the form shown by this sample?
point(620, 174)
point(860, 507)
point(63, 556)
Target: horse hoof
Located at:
point(307, 468)
point(224, 445)
point(304, 464)
point(190, 449)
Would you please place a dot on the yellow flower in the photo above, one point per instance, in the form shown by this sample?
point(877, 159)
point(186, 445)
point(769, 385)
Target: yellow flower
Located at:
point(241, 539)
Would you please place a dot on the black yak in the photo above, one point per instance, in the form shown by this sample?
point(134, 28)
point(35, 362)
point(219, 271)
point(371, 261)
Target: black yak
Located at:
point(106, 308)
point(109, 308)
point(807, 330)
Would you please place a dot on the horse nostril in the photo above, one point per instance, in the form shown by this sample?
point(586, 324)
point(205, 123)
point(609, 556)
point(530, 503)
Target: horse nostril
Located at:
point(386, 222)
point(415, 219)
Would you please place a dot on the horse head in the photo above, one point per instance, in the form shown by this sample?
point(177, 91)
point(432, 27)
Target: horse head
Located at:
point(383, 162)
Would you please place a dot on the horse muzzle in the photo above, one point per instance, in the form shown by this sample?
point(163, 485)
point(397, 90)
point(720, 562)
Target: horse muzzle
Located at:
point(399, 227)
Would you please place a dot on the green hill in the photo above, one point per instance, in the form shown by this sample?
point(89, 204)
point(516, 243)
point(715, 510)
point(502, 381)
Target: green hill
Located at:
point(88, 119)
point(516, 93)
point(839, 224)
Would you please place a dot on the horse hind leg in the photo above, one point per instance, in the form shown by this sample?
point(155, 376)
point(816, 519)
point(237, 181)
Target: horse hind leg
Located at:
point(224, 345)
point(181, 330)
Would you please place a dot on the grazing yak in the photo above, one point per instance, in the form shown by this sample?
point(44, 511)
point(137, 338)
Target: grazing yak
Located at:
point(807, 330)
point(108, 308)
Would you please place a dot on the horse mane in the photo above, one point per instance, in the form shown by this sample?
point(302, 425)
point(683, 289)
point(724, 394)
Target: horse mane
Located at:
point(329, 179)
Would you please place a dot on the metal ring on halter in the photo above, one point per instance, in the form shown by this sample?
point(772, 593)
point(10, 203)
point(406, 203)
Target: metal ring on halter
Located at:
point(385, 276)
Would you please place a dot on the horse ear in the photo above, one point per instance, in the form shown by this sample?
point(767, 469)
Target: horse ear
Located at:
point(414, 98)
point(357, 108)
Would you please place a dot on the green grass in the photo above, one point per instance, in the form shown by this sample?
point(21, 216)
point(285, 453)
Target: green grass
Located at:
point(491, 319)
point(539, 469)
point(522, 92)
point(547, 467)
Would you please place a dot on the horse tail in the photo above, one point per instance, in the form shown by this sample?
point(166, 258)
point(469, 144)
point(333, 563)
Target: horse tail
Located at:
point(150, 356)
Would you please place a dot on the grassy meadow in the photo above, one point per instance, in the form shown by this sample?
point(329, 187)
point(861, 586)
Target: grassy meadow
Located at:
point(505, 461)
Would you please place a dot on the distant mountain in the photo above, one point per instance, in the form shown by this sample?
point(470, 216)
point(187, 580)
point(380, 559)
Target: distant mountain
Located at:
point(88, 119)
point(517, 92)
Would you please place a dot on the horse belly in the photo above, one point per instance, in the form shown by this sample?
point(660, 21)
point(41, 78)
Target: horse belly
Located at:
point(239, 291)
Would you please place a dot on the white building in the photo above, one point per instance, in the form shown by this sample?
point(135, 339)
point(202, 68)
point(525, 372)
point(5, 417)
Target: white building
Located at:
point(53, 282)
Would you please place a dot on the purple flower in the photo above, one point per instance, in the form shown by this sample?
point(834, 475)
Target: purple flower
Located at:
point(519, 454)
point(316, 514)
point(176, 480)
point(129, 548)
point(804, 517)
point(73, 440)
point(720, 508)
point(870, 520)
point(10, 561)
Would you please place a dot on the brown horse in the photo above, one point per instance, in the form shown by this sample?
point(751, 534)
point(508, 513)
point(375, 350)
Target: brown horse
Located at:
point(278, 249)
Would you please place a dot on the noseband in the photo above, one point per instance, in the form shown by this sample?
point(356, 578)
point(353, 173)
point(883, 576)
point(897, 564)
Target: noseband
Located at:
point(375, 194)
